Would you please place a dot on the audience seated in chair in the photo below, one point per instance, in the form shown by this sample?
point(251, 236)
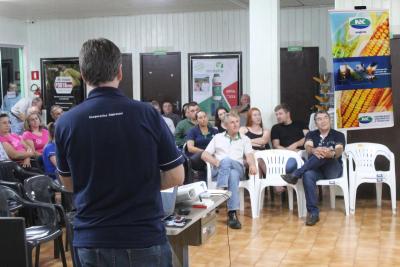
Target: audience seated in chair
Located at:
point(259, 136)
point(167, 111)
point(20, 110)
point(219, 117)
point(167, 120)
point(197, 140)
point(325, 147)
point(185, 125)
point(287, 134)
point(225, 153)
point(56, 111)
point(49, 154)
point(35, 135)
point(13, 144)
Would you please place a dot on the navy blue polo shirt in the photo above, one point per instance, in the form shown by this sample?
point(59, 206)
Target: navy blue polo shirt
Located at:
point(331, 140)
point(114, 148)
point(200, 140)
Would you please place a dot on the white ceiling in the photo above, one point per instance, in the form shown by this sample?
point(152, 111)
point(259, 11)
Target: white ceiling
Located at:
point(32, 10)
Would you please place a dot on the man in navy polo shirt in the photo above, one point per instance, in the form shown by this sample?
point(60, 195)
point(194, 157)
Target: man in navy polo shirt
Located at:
point(324, 147)
point(110, 150)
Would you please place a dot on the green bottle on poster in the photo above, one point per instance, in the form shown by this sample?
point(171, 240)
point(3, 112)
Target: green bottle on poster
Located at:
point(216, 93)
point(216, 87)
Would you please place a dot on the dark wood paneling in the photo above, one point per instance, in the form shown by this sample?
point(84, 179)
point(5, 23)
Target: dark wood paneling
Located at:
point(385, 136)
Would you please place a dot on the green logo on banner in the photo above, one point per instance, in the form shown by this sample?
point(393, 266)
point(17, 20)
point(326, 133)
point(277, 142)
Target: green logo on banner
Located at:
point(360, 23)
point(219, 65)
point(365, 119)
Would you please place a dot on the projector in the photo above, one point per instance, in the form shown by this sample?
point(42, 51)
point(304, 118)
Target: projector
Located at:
point(190, 192)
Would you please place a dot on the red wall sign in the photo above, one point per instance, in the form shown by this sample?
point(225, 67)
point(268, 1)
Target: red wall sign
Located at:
point(35, 75)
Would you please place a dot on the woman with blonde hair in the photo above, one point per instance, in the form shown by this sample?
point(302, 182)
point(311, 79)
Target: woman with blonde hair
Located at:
point(35, 135)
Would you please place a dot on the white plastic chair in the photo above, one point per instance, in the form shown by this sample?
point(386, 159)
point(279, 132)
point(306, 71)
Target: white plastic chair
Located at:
point(246, 184)
point(364, 155)
point(341, 182)
point(275, 161)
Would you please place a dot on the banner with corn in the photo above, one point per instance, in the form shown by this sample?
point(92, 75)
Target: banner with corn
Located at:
point(362, 71)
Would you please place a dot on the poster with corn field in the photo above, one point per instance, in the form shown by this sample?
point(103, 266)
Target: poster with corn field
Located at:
point(362, 70)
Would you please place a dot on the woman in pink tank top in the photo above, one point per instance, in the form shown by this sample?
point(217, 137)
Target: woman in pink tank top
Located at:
point(35, 136)
point(13, 144)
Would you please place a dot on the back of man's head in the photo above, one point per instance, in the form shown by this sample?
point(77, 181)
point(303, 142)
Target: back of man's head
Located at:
point(99, 61)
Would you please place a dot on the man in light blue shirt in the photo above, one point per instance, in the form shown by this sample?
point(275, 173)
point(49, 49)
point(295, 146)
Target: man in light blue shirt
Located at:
point(10, 98)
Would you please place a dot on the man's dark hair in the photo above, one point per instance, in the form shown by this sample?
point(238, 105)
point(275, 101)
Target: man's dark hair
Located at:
point(321, 112)
point(51, 127)
point(3, 115)
point(283, 106)
point(192, 104)
point(99, 61)
point(198, 112)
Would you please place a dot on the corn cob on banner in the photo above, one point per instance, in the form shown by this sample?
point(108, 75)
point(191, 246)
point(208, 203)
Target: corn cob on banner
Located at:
point(362, 70)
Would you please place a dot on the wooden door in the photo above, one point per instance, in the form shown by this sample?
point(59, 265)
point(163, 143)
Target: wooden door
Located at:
point(297, 86)
point(161, 78)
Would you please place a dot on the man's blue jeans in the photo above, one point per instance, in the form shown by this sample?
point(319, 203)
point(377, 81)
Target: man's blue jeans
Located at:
point(229, 173)
point(315, 169)
point(156, 256)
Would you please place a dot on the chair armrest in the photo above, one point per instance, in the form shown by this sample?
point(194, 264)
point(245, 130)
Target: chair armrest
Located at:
point(17, 186)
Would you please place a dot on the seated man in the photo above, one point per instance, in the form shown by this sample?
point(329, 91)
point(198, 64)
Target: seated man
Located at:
point(325, 147)
point(225, 152)
point(185, 125)
point(167, 110)
point(287, 134)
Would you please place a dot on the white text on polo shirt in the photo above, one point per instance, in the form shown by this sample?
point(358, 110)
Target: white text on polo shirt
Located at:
point(105, 115)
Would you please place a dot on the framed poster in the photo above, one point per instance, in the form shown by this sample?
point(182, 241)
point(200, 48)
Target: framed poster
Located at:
point(62, 83)
point(215, 80)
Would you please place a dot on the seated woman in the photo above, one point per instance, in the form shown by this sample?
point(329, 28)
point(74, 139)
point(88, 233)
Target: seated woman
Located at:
point(254, 130)
point(259, 136)
point(197, 140)
point(35, 135)
point(13, 144)
point(219, 117)
point(49, 154)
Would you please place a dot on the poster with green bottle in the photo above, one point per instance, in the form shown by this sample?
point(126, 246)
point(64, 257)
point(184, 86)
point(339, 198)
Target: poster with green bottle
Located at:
point(215, 80)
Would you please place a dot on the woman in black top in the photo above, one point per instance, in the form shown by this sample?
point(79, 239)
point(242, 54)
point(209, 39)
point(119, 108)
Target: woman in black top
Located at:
point(254, 130)
point(219, 116)
point(259, 136)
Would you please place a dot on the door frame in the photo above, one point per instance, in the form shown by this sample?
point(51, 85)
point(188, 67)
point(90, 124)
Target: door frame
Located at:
point(160, 54)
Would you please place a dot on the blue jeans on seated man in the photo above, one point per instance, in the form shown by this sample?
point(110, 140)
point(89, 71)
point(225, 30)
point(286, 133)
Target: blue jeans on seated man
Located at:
point(229, 173)
point(315, 169)
point(155, 256)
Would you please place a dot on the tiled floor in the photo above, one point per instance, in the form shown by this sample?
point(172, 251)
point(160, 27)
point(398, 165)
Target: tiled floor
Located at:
point(371, 237)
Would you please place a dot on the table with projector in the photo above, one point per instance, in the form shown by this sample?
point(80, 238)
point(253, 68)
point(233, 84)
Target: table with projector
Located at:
point(202, 224)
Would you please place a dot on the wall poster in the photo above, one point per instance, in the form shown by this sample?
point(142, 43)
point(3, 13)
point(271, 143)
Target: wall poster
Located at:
point(362, 69)
point(215, 79)
point(62, 83)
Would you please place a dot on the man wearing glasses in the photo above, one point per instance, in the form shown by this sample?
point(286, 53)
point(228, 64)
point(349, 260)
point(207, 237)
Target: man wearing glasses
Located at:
point(324, 147)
